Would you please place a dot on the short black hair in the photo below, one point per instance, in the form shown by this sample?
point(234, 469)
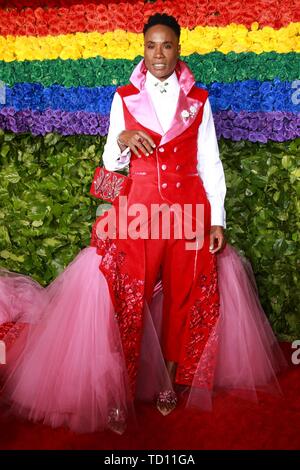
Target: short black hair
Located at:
point(165, 20)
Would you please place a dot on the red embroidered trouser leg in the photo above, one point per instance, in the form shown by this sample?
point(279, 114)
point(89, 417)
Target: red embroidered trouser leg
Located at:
point(181, 269)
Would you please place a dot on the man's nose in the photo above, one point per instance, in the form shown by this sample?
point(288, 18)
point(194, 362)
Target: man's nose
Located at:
point(158, 52)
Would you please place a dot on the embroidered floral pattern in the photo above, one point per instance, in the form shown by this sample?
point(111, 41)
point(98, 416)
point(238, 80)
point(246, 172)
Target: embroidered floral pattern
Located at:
point(10, 331)
point(128, 293)
point(202, 321)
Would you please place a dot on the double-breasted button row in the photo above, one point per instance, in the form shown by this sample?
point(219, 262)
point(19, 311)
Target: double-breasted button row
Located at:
point(162, 149)
point(165, 185)
point(164, 167)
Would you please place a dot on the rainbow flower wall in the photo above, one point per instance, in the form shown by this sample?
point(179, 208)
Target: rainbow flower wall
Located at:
point(60, 63)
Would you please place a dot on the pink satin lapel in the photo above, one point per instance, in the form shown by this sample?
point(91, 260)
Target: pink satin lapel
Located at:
point(140, 105)
point(141, 108)
point(185, 77)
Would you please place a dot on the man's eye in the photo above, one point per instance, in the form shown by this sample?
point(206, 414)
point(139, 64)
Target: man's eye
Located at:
point(150, 46)
point(168, 46)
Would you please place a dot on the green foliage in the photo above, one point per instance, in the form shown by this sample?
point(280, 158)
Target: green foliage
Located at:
point(46, 211)
point(263, 209)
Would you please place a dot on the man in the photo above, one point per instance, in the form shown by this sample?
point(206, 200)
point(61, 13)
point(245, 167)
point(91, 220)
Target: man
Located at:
point(72, 372)
point(162, 126)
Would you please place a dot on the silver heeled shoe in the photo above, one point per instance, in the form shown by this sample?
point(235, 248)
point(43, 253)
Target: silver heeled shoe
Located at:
point(117, 421)
point(166, 402)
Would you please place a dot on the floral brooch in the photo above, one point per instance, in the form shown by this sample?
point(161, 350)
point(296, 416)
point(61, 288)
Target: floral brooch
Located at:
point(186, 114)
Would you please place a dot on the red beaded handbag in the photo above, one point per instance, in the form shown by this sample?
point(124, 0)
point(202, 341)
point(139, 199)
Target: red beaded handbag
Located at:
point(109, 185)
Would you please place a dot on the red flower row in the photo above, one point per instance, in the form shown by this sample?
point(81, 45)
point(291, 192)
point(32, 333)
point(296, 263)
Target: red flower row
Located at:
point(19, 4)
point(131, 16)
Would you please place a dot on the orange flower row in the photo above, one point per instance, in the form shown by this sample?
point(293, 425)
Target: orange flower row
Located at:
point(131, 16)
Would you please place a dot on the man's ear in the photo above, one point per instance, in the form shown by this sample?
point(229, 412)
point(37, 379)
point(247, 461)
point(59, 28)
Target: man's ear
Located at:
point(179, 49)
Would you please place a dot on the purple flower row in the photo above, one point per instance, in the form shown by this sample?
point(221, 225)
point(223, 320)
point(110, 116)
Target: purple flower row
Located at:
point(257, 127)
point(254, 126)
point(62, 122)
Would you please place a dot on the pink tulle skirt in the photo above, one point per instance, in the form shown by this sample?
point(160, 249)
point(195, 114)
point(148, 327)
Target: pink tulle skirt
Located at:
point(66, 367)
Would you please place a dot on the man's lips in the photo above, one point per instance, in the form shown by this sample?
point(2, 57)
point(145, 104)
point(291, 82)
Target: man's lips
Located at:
point(159, 66)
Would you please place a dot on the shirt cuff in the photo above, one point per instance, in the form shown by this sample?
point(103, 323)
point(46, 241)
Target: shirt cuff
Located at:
point(123, 159)
point(218, 216)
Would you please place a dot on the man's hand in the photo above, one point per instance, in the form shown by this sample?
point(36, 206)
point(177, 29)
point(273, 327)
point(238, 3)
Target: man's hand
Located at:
point(217, 238)
point(137, 141)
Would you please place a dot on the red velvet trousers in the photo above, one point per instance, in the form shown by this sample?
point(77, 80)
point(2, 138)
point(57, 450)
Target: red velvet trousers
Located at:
point(189, 277)
point(178, 268)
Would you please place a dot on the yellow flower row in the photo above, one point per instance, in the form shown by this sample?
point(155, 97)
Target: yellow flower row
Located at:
point(121, 44)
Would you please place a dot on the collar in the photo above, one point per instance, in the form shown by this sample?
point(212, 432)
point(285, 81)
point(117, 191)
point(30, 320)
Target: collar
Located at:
point(183, 74)
point(153, 84)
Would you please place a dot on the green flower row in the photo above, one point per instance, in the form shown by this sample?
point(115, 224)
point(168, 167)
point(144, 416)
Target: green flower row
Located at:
point(208, 68)
point(46, 211)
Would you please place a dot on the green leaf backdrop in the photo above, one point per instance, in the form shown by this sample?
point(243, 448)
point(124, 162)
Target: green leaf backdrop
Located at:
point(46, 211)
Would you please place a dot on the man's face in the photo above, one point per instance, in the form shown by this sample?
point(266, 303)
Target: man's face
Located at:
point(161, 51)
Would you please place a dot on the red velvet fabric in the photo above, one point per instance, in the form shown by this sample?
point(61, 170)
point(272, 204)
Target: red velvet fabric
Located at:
point(131, 267)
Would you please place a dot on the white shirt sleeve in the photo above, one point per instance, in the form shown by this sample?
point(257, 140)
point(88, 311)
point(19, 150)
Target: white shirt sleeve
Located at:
point(113, 158)
point(210, 167)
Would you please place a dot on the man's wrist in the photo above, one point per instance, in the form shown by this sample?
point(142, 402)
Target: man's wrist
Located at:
point(121, 144)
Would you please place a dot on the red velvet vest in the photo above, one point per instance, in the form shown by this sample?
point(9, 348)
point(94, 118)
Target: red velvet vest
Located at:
point(170, 173)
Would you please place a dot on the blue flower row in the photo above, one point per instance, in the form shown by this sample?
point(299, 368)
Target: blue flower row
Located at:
point(248, 95)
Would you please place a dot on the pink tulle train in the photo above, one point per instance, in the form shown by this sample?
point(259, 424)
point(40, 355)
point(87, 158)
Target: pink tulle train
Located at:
point(67, 366)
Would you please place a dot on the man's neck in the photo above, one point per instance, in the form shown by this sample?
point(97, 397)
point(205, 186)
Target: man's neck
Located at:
point(163, 79)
